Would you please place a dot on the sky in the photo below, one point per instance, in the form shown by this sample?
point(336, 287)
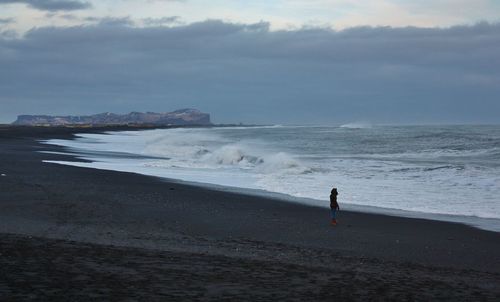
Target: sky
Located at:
point(284, 61)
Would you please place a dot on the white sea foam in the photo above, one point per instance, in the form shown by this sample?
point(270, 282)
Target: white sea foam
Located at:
point(381, 167)
point(357, 125)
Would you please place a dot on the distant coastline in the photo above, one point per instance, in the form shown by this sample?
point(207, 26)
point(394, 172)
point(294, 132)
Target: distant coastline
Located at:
point(175, 118)
point(70, 131)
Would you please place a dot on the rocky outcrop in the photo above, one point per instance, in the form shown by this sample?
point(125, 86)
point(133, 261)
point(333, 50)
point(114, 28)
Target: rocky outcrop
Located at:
point(178, 117)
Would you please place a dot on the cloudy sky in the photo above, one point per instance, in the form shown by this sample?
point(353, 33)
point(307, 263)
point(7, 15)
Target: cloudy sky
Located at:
point(282, 61)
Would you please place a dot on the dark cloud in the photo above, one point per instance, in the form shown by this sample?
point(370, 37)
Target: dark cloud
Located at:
point(69, 17)
point(6, 20)
point(245, 72)
point(162, 21)
point(112, 21)
point(52, 5)
point(8, 34)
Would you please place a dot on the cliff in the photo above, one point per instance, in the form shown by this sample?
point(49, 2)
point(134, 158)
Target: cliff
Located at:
point(178, 117)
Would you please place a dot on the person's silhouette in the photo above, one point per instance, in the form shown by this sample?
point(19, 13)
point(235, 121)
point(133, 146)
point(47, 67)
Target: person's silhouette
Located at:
point(334, 206)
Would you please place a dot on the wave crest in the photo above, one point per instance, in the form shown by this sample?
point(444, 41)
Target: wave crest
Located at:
point(357, 125)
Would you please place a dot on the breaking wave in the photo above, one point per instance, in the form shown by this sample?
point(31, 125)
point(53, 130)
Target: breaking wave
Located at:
point(357, 125)
point(212, 151)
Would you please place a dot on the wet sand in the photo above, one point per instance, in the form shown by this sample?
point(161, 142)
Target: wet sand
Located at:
point(76, 233)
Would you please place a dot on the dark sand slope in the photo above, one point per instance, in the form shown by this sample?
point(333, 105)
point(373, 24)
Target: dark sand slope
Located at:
point(44, 269)
point(113, 235)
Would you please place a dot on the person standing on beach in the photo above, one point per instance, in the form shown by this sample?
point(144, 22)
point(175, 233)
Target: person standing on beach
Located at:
point(334, 205)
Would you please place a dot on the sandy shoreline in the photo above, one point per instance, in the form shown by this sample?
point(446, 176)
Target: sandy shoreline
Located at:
point(252, 239)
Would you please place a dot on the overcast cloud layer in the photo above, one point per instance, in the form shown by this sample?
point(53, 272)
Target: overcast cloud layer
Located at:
point(245, 72)
point(52, 5)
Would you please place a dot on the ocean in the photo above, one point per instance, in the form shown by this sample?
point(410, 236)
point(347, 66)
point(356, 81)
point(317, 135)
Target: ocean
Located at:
point(438, 172)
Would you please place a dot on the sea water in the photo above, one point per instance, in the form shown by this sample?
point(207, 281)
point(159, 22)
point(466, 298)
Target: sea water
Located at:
point(450, 171)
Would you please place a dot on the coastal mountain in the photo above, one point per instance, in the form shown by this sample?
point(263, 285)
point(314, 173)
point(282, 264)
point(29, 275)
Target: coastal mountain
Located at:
point(178, 117)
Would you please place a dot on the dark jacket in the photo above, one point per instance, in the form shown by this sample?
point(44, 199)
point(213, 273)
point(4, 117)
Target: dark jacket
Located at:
point(333, 202)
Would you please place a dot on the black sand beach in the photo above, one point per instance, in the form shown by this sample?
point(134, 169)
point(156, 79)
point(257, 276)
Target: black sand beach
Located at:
point(69, 233)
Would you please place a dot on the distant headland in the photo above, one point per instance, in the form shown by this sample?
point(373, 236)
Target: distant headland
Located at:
point(175, 118)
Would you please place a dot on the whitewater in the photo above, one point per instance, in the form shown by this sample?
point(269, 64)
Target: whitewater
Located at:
point(443, 172)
